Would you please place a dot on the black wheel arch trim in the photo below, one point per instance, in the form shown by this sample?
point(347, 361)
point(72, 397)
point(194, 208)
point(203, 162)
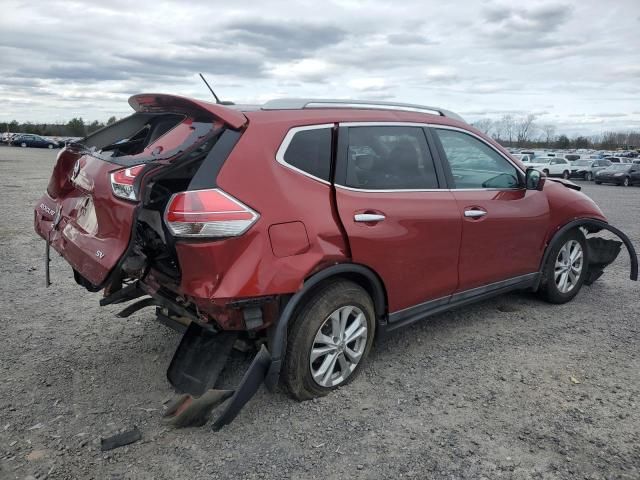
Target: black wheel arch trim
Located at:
point(601, 225)
point(278, 340)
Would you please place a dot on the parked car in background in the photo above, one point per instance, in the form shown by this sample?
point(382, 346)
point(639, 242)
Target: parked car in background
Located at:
point(599, 165)
point(618, 159)
point(30, 140)
point(624, 174)
point(553, 166)
point(583, 169)
point(523, 157)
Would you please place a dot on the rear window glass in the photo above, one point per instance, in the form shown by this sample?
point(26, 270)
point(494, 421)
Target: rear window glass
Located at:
point(310, 151)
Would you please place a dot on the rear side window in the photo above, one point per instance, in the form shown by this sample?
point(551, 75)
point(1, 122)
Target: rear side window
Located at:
point(389, 158)
point(310, 151)
point(474, 164)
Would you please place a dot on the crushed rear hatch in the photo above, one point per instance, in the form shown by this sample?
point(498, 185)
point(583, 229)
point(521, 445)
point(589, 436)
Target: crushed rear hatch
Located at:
point(88, 213)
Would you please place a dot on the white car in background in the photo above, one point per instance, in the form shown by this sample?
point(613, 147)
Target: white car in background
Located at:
point(618, 159)
point(553, 166)
point(523, 157)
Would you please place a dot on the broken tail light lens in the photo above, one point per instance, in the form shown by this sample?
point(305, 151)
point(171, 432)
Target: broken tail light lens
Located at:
point(208, 213)
point(122, 182)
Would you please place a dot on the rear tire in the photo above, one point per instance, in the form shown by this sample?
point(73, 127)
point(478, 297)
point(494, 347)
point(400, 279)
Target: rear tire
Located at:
point(626, 182)
point(565, 175)
point(566, 268)
point(320, 357)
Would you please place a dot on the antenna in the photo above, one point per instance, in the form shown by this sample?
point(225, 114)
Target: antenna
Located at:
point(210, 89)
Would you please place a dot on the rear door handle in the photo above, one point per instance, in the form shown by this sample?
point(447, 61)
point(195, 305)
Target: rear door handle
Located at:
point(474, 213)
point(368, 217)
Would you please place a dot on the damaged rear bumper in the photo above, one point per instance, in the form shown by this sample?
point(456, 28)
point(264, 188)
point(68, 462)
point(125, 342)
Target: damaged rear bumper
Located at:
point(197, 362)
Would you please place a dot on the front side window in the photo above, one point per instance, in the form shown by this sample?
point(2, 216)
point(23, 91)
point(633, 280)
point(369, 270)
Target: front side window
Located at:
point(389, 158)
point(310, 151)
point(474, 164)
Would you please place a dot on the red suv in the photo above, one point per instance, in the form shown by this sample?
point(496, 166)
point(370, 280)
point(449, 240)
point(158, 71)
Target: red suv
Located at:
point(313, 225)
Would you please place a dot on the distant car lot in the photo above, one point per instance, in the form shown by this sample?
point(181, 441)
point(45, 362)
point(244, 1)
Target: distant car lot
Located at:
point(509, 388)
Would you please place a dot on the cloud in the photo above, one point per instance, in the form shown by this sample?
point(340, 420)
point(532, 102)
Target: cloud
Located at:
point(522, 28)
point(282, 40)
point(63, 58)
point(406, 38)
point(610, 115)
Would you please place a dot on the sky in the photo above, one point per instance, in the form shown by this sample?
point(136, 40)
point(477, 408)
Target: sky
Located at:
point(574, 64)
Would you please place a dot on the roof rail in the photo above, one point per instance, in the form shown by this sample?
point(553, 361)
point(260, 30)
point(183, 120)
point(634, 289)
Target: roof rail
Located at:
point(304, 103)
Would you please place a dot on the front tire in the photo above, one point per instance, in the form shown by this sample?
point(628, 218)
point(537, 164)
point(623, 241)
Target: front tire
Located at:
point(546, 172)
point(329, 340)
point(565, 269)
point(598, 183)
point(626, 182)
point(565, 175)
point(49, 146)
point(23, 145)
point(588, 176)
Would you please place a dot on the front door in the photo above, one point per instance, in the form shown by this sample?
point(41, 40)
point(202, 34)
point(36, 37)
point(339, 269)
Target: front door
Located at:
point(398, 219)
point(504, 225)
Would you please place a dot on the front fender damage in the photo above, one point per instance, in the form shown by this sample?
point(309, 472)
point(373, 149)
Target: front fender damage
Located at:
point(601, 252)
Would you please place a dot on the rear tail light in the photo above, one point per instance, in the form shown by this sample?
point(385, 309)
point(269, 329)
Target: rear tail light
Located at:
point(208, 213)
point(122, 182)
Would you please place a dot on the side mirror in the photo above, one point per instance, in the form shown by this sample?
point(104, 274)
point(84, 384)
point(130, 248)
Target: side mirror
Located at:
point(534, 179)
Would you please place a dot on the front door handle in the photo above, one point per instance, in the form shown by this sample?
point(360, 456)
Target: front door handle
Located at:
point(474, 213)
point(368, 217)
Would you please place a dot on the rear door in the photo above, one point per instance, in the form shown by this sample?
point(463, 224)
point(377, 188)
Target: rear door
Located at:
point(504, 225)
point(398, 219)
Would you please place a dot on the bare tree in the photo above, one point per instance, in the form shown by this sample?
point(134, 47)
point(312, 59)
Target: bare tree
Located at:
point(506, 127)
point(486, 125)
point(523, 128)
point(549, 133)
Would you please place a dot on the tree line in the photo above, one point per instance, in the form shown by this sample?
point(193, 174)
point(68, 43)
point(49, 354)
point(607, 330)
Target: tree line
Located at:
point(523, 131)
point(76, 127)
point(509, 131)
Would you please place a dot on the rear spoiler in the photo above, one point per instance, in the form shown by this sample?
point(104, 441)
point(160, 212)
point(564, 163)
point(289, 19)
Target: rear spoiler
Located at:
point(163, 103)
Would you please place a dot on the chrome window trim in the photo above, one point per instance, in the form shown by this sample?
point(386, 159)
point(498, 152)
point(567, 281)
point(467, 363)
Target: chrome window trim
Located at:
point(285, 145)
point(413, 190)
point(431, 125)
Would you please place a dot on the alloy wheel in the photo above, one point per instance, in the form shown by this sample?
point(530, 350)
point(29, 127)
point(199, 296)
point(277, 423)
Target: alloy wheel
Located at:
point(588, 177)
point(626, 182)
point(338, 346)
point(568, 267)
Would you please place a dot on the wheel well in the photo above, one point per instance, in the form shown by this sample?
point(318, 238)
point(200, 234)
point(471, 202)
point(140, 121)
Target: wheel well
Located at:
point(591, 225)
point(358, 274)
point(377, 293)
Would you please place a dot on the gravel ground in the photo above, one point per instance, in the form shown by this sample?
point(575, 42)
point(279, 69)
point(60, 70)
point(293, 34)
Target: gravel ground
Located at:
point(508, 388)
